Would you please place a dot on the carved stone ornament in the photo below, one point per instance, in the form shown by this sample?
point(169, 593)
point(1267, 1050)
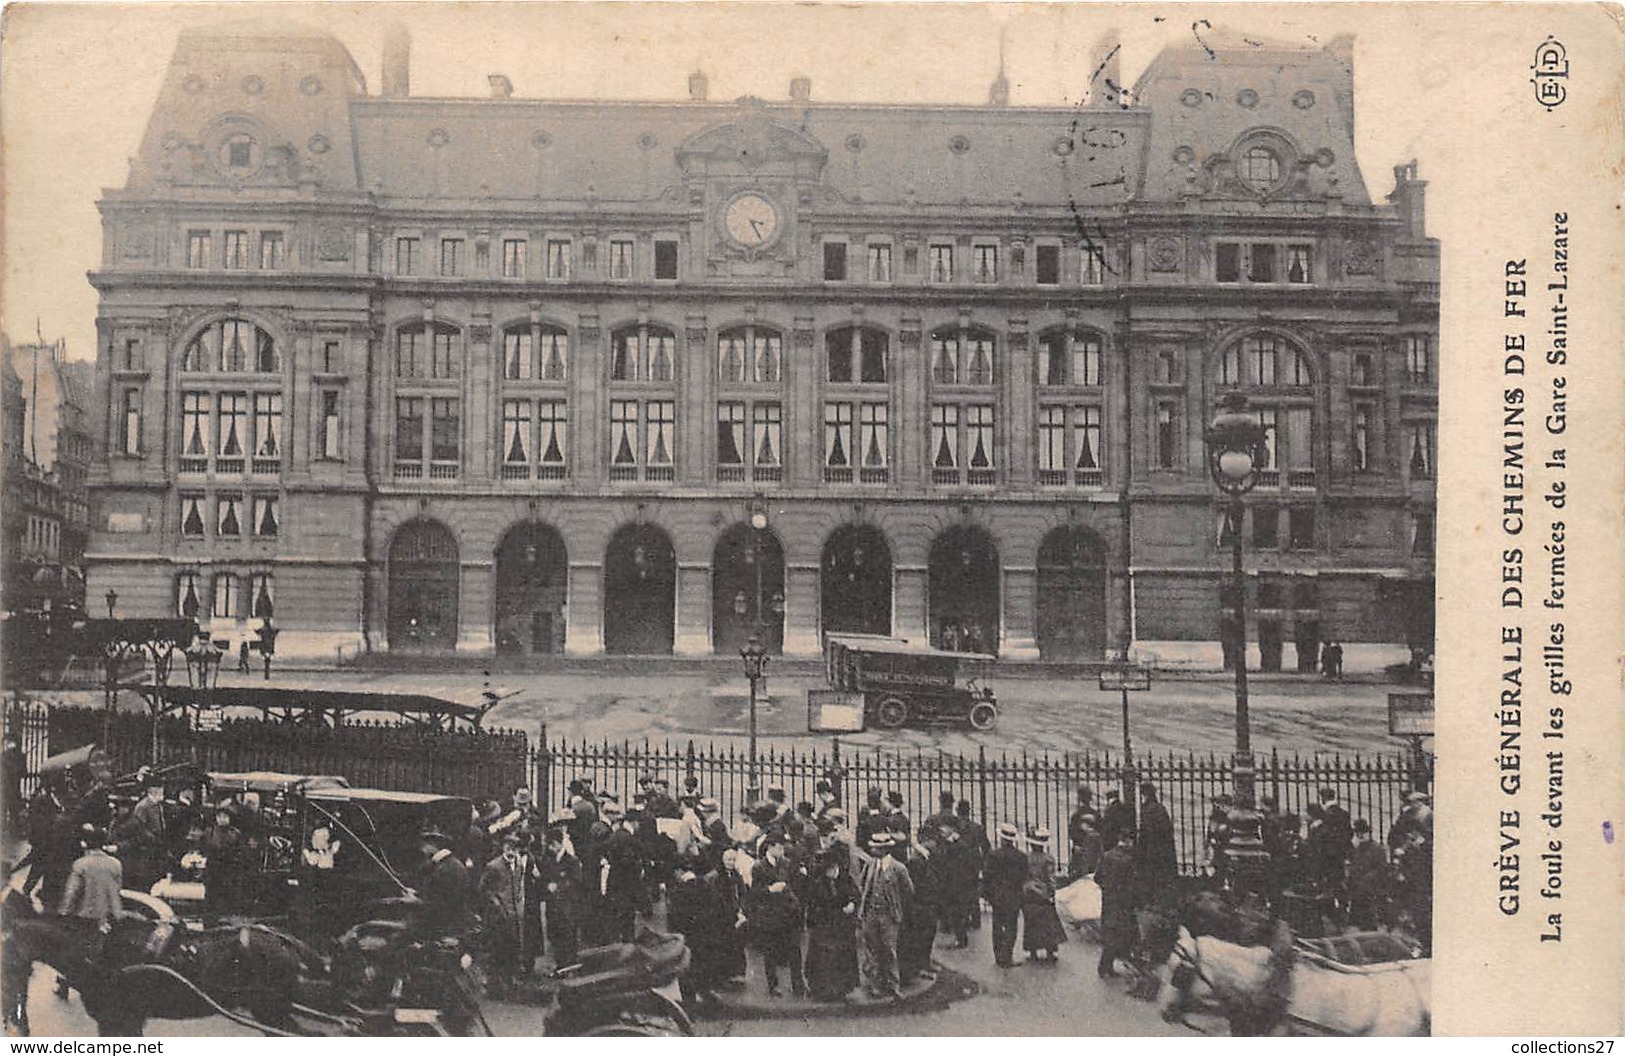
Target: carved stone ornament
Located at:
point(333, 242)
point(1165, 254)
point(1362, 258)
point(480, 333)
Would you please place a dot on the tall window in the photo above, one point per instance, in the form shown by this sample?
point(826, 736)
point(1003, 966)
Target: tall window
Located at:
point(270, 250)
point(1422, 533)
point(516, 432)
point(730, 434)
point(1360, 455)
point(267, 519)
point(872, 436)
point(558, 258)
point(1086, 441)
point(228, 514)
point(945, 356)
point(1261, 352)
point(444, 361)
point(1052, 460)
point(835, 261)
point(643, 353)
point(445, 428)
point(1301, 527)
point(1418, 359)
point(1047, 265)
point(1268, 420)
point(409, 431)
point(945, 438)
point(1167, 436)
point(661, 419)
point(330, 440)
point(1362, 372)
point(941, 256)
point(197, 249)
point(880, 262)
point(620, 259)
point(261, 596)
point(979, 445)
point(518, 351)
point(513, 258)
point(1419, 444)
point(231, 422)
point(1092, 263)
point(838, 458)
point(192, 514)
point(234, 245)
point(766, 442)
point(855, 354)
point(188, 596)
point(410, 353)
point(1070, 357)
point(665, 259)
point(267, 428)
point(552, 425)
point(1299, 259)
point(985, 263)
point(194, 429)
point(228, 601)
point(451, 252)
point(623, 433)
point(406, 256)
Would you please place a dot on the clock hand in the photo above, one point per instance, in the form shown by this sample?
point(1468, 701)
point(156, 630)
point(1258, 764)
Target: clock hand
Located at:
point(756, 226)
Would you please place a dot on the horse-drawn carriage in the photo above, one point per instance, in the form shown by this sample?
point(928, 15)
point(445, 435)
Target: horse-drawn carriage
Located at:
point(893, 682)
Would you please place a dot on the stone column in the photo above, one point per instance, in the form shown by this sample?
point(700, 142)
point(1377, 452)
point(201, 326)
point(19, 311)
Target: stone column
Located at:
point(474, 596)
point(695, 376)
point(584, 610)
point(911, 409)
point(480, 433)
point(692, 636)
point(1019, 425)
point(908, 602)
point(588, 412)
point(803, 416)
point(1020, 590)
point(801, 637)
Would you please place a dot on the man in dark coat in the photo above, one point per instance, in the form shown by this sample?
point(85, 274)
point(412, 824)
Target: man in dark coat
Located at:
point(1155, 859)
point(620, 887)
point(13, 768)
point(694, 912)
point(897, 819)
point(960, 873)
point(831, 906)
point(882, 906)
point(1116, 879)
point(1082, 833)
point(446, 888)
point(1003, 875)
point(920, 920)
point(944, 815)
point(1117, 818)
point(144, 838)
point(1337, 840)
point(1367, 879)
point(974, 836)
point(225, 852)
point(563, 896)
point(504, 885)
point(775, 915)
point(871, 819)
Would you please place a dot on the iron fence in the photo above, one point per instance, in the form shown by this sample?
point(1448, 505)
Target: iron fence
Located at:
point(1024, 789)
point(30, 721)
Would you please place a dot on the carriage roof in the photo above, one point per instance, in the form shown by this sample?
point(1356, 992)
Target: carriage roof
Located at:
point(892, 646)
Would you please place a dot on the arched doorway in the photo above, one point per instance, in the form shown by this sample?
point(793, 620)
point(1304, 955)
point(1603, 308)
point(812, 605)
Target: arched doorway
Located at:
point(747, 589)
point(855, 587)
point(423, 574)
point(962, 594)
point(531, 577)
point(640, 591)
point(1072, 595)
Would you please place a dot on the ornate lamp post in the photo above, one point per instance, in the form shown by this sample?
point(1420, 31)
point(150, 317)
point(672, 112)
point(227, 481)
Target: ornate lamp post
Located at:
point(1236, 450)
point(755, 658)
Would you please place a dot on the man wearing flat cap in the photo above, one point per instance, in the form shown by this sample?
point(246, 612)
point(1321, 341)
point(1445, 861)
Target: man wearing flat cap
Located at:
point(1003, 875)
point(883, 901)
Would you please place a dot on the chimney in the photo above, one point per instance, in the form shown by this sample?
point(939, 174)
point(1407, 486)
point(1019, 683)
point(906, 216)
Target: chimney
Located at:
point(801, 89)
point(501, 87)
point(698, 86)
point(397, 79)
point(1409, 200)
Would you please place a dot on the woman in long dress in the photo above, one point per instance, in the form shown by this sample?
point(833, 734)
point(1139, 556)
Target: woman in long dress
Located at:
point(1041, 930)
point(832, 939)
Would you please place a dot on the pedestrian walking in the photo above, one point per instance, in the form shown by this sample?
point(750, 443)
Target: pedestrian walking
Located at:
point(919, 930)
point(1082, 833)
point(1041, 930)
point(883, 903)
point(775, 915)
point(502, 887)
point(974, 836)
point(1367, 879)
point(620, 882)
point(144, 838)
point(693, 911)
point(731, 889)
point(1116, 818)
point(91, 894)
point(1116, 879)
point(1003, 876)
point(832, 938)
point(562, 895)
point(1155, 859)
point(242, 657)
point(960, 875)
point(445, 887)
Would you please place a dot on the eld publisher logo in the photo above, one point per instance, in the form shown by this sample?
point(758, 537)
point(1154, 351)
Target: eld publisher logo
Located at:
point(1551, 69)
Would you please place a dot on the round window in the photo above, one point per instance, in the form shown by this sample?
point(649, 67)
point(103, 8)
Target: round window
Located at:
point(239, 155)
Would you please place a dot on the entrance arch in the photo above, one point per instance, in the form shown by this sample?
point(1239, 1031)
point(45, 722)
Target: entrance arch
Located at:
point(747, 589)
point(1071, 595)
point(962, 594)
point(532, 574)
point(640, 591)
point(423, 578)
point(855, 585)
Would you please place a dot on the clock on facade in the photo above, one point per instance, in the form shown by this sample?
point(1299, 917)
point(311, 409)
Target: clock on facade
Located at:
point(751, 221)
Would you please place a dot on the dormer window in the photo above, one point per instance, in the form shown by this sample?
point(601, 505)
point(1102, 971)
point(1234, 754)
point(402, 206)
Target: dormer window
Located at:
point(1260, 168)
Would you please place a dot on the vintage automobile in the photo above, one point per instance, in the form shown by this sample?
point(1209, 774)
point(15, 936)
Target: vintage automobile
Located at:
point(894, 682)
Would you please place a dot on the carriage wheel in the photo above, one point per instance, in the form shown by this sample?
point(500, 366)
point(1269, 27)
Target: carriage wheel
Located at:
point(891, 712)
point(983, 716)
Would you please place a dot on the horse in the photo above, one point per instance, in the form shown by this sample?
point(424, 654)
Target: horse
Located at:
point(142, 968)
point(1279, 987)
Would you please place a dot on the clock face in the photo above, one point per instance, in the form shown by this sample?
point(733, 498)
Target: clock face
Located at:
point(751, 221)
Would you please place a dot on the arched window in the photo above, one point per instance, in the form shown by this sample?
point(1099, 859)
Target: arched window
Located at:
point(233, 346)
point(535, 352)
point(645, 352)
point(1260, 168)
point(1279, 378)
point(750, 355)
point(962, 355)
point(855, 354)
point(428, 351)
point(1070, 357)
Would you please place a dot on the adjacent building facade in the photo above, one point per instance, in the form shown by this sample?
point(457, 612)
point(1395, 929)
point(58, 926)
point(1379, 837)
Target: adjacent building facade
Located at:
point(534, 376)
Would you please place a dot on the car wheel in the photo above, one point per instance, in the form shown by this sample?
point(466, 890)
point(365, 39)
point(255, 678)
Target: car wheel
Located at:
point(891, 713)
point(983, 715)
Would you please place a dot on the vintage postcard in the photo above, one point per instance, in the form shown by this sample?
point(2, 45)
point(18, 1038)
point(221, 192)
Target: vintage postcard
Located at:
point(710, 519)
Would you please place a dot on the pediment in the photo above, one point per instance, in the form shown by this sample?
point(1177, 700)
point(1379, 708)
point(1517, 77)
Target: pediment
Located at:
point(752, 143)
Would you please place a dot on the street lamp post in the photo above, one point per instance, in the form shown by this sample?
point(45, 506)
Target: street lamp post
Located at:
point(1236, 451)
point(755, 657)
